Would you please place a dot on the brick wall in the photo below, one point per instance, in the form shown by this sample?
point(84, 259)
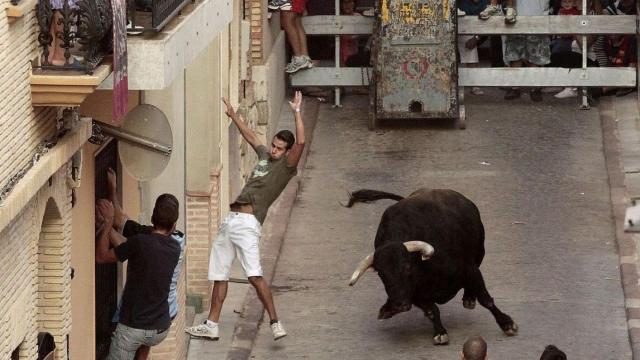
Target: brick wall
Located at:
point(21, 126)
point(36, 282)
point(203, 217)
point(174, 347)
point(253, 9)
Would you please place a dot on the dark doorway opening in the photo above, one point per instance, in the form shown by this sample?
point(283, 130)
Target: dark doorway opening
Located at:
point(106, 274)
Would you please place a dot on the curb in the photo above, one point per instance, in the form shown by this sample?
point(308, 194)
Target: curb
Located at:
point(246, 328)
point(627, 251)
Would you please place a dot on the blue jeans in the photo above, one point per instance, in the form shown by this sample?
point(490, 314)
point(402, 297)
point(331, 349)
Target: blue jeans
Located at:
point(125, 341)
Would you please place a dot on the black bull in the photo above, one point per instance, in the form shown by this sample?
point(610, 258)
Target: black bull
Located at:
point(428, 247)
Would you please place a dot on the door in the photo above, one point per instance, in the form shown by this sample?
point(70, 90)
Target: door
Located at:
point(106, 274)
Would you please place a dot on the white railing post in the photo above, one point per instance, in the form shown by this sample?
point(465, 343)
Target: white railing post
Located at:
point(585, 50)
point(337, 59)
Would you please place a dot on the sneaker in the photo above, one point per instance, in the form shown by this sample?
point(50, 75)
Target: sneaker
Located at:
point(309, 61)
point(203, 331)
point(279, 5)
point(512, 94)
point(477, 91)
point(278, 331)
point(510, 16)
point(566, 93)
point(298, 63)
point(536, 95)
point(461, 13)
point(489, 11)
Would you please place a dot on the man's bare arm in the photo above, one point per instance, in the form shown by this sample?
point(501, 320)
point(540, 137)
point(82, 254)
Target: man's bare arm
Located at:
point(116, 238)
point(119, 217)
point(247, 134)
point(296, 150)
point(104, 255)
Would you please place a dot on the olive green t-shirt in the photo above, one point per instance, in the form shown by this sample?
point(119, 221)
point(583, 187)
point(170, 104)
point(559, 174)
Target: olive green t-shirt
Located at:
point(268, 178)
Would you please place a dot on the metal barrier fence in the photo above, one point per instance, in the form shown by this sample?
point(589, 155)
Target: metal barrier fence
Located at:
point(584, 77)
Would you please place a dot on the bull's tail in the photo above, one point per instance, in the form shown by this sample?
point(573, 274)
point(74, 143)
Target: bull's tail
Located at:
point(366, 195)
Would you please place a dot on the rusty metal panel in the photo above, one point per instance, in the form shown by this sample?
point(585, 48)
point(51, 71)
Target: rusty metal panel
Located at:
point(415, 59)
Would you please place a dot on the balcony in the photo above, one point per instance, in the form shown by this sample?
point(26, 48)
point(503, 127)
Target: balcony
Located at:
point(156, 58)
point(18, 8)
point(152, 15)
point(75, 42)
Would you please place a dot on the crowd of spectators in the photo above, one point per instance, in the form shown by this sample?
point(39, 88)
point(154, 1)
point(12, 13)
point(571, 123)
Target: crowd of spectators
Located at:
point(616, 50)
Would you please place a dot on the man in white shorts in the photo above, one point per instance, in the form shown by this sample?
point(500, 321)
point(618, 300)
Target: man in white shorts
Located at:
point(239, 233)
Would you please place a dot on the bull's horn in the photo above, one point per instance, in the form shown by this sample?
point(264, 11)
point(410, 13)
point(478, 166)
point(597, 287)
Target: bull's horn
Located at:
point(425, 249)
point(365, 264)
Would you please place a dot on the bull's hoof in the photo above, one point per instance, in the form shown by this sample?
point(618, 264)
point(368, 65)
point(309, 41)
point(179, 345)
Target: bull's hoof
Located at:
point(442, 339)
point(469, 304)
point(511, 329)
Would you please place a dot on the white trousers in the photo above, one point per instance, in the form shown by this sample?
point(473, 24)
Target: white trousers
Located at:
point(239, 234)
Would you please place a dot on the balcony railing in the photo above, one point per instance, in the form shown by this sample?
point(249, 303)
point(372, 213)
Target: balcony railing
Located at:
point(153, 15)
point(74, 34)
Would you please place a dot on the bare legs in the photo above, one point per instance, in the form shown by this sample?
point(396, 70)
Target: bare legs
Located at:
point(219, 293)
point(296, 35)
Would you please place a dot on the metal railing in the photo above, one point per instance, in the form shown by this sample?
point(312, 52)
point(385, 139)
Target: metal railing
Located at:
point(153, 15)
point(82, 29)
point(496, 77)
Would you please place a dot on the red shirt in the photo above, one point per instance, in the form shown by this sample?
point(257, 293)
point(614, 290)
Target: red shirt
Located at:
point(570, 11)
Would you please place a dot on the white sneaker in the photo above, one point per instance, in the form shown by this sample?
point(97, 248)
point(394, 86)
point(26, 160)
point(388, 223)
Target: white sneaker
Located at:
point(278, 331)
point(461, 13)
point(566, 93)
point(308, 60)
point(477, 91)
point(489, 11)
point(298, 63)
point(204, 331)
point(510, 16)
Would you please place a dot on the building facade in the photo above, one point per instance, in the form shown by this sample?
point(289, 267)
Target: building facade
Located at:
point(51, 175)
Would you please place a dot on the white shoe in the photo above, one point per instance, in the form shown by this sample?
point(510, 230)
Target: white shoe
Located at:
point(461, 13)
point(278, 331)
point(489, 11)
point(204, 331)
point(298, 63)
point(477, 91)
point(308, 61)
point(510, 16)
point(566, 93)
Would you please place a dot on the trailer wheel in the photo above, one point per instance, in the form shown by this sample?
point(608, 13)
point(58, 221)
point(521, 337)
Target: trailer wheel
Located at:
point(461, 121)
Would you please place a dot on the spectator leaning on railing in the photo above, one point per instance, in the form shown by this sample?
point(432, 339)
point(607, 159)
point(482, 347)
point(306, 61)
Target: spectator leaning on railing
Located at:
point(468, 44)
point(528, 50)
point(621, 50)
point(291, 12)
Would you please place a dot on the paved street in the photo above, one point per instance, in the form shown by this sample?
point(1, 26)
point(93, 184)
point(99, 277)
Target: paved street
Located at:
point(537, 174)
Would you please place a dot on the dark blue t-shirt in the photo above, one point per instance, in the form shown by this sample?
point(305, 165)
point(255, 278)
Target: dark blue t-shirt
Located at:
point(152, 260)
point(472, 8)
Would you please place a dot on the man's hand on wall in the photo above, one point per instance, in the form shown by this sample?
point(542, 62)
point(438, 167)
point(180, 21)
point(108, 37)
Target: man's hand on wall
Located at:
point(105, 208)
